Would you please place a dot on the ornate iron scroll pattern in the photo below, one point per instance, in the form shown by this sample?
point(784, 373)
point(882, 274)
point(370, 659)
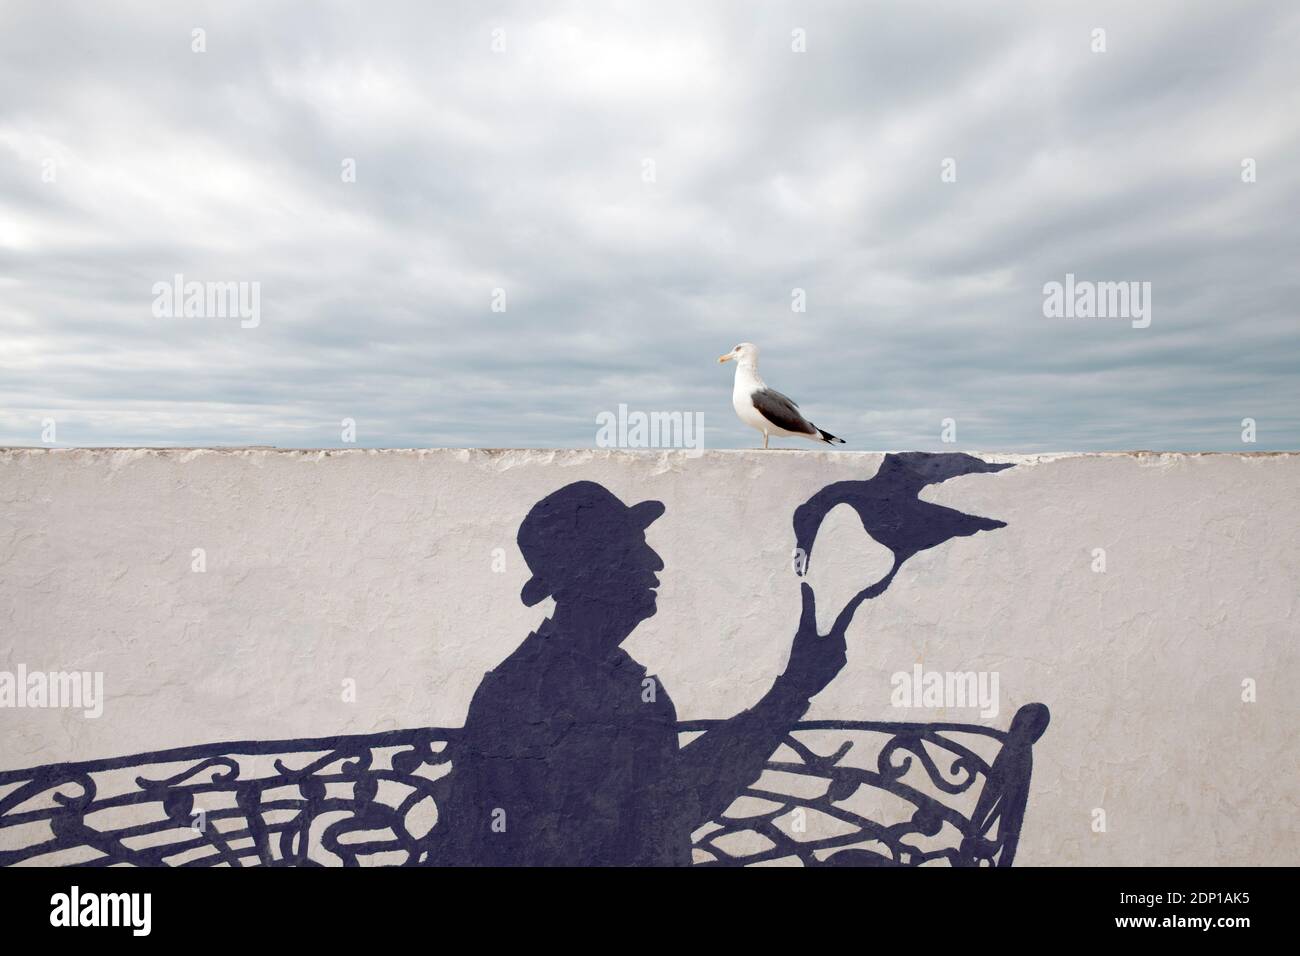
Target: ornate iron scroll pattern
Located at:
point(949, 804)
point(371, 800)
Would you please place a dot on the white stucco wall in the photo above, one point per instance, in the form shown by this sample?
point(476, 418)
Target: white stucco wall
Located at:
point(378, 567)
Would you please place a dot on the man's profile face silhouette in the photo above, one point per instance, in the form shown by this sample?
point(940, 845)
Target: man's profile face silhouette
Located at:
point(588, 550)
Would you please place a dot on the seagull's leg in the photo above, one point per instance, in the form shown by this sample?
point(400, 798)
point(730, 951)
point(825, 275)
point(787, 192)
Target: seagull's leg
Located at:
point(764, 439)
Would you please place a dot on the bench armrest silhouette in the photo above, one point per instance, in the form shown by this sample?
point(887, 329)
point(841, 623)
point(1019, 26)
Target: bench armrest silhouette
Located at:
point(835, 793)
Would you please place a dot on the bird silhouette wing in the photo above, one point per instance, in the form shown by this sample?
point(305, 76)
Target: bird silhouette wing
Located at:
point(890, 506)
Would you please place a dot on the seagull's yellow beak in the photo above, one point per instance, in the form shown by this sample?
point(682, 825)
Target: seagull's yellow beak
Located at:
point(726, 358)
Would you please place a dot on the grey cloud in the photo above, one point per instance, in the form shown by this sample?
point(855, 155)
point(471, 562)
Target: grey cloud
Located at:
point(523, 170)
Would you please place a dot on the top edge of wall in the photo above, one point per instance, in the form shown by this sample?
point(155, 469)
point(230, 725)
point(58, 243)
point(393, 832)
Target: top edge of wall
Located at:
point(996, 457)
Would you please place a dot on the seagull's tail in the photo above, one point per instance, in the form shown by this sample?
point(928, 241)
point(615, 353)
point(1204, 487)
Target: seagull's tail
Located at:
point(828, 438)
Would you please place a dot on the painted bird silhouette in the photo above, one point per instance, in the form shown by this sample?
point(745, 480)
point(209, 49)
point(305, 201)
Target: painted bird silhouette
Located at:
point(892, 511)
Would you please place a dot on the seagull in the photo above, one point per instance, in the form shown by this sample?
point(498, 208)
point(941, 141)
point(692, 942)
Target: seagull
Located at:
point(765, 408)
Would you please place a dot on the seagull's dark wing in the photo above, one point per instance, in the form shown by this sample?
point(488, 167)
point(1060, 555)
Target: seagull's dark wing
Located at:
point(781, 411)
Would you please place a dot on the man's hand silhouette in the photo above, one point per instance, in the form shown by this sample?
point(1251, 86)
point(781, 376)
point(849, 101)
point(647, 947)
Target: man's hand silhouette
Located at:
point(719, 764)
point(815, 658)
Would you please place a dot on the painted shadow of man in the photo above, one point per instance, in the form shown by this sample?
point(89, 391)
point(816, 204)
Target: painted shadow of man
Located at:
point(570, 752)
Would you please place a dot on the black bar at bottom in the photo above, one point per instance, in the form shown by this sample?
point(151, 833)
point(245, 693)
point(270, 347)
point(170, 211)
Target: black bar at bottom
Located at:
point(335, 906)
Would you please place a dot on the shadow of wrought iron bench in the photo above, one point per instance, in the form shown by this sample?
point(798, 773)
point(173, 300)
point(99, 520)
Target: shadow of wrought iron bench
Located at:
point(835, 793)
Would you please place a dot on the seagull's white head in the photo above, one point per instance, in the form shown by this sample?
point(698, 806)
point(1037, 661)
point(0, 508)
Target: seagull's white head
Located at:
point(746, 353)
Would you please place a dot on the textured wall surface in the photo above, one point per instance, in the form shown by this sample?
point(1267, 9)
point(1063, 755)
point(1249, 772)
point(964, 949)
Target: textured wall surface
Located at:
point(399, 571)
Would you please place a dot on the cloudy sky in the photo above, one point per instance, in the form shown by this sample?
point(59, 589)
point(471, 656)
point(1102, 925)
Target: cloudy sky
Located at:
point(648, 183)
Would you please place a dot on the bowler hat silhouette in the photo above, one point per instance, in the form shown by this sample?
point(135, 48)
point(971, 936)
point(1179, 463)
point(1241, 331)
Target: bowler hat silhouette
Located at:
point(579, 525)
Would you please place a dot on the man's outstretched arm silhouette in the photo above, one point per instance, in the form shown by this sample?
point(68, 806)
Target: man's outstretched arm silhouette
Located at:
point(715, 767)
